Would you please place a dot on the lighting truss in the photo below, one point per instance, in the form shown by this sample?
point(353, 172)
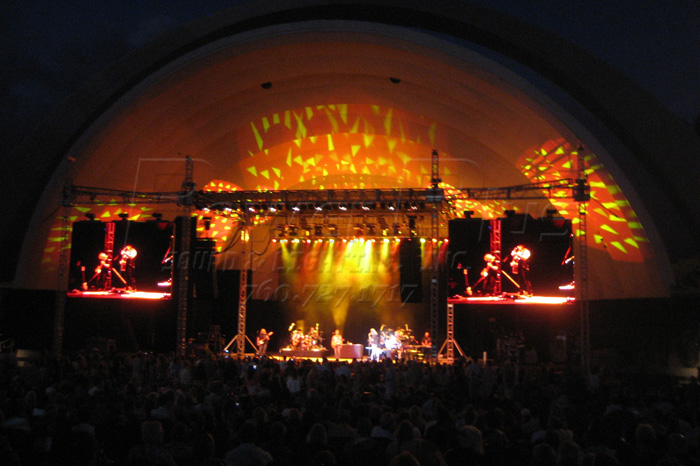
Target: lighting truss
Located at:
point(318, 201)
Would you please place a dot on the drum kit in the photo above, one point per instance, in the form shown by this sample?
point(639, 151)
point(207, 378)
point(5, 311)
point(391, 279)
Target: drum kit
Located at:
point(313, 340)
point(396, 342)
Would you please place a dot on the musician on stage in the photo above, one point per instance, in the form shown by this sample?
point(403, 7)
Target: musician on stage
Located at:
point(337, 343)
point(520, 266)
point(463, 275)
point(103, 272)
point(491, 270)
point(127, 265)
point(297, 339)
point(373, 343)
point(427, 340)
point(262, 340)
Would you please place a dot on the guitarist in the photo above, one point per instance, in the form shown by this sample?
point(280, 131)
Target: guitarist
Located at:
point(262, 340)
point(520, 266)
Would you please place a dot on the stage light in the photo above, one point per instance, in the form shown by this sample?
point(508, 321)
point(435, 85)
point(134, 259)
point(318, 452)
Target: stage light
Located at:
point(90, 216)
point(318, 230)
point(156, 215)
point(333, 230)
point(422, 240)
point(509, 213)
point(551, 212)
point(207, 223)
point(468, 213)
point(391, 207)
point(266, 85)
point(123, 216)
point(296, 208)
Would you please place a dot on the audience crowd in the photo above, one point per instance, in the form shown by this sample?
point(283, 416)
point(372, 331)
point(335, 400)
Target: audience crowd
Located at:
point(108, 408)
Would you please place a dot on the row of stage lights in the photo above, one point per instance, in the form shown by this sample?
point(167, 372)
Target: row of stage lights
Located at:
point(355, 240)
point(315, 207)
point(358, 230)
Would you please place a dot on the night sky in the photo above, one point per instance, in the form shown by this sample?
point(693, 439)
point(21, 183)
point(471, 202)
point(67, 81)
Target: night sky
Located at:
point(51, 48)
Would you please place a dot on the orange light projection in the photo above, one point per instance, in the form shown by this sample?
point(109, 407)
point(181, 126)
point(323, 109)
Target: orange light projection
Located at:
point(612, 224)
point(353, 146)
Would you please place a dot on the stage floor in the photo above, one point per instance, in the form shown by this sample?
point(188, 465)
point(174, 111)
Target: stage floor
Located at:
point(119, 294)
point(507, 298)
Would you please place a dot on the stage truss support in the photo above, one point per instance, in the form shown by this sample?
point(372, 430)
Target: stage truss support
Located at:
point(183, 263)
point(435, 259)
point(243, 291)
point(246, 264)
point(109, 250)
point(495, 246)
point(450, 343)
point(62, 288)
point(582, 196)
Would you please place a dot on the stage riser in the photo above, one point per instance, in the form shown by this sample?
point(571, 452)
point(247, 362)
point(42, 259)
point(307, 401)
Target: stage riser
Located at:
point(479, 327)
point(127, 325)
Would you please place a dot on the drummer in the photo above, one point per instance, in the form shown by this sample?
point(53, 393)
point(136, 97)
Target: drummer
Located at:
point(297, 339)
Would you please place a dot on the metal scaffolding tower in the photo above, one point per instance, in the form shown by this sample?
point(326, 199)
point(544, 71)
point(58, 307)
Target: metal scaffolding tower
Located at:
point(62, 279)
point(495, 244)
point(450, 343)
point(243, 291)
point(582, 196)
point(109, 250)
point(435, 259)
point(185, 255)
